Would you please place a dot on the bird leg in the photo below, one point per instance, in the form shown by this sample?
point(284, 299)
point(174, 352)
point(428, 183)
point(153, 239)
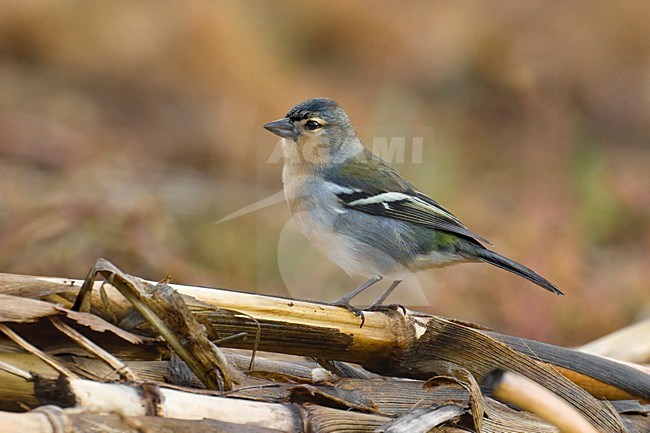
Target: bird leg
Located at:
point(345, 300)
point(380, 300)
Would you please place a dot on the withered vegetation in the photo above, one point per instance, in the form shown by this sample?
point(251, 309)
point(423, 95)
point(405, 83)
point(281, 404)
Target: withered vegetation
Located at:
point(115, 352)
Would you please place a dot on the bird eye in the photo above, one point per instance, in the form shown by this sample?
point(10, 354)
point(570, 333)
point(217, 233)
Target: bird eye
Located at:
point(312, 124)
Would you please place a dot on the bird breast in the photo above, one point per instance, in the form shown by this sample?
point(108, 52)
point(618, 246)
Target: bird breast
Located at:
point(343, 235)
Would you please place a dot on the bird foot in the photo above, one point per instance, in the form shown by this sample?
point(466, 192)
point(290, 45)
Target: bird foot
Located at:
point(359, 312)
point(386, 308)
point(345, 303)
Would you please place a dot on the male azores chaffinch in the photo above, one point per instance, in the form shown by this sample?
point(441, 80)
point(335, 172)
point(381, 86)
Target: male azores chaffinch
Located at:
point(361, 213)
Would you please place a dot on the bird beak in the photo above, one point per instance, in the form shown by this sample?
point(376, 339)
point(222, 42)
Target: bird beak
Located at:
point(283, 127)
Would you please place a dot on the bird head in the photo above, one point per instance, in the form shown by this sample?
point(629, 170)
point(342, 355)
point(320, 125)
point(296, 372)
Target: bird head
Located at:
point(317, 131)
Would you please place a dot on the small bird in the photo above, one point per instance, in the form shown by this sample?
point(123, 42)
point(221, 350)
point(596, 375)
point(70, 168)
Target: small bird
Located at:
point(361, 213)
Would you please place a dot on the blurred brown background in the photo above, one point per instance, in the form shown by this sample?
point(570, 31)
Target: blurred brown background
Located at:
point(127, 129)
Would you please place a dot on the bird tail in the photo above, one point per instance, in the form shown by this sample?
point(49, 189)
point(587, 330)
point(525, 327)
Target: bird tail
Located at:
point(488, 256)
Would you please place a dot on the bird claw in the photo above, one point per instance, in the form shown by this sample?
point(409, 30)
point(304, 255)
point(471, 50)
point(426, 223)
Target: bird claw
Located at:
point(354, 310)
point(359, 312)
point(386, 308)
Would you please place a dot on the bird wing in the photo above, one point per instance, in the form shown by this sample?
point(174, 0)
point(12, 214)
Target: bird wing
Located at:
point(373, 187)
